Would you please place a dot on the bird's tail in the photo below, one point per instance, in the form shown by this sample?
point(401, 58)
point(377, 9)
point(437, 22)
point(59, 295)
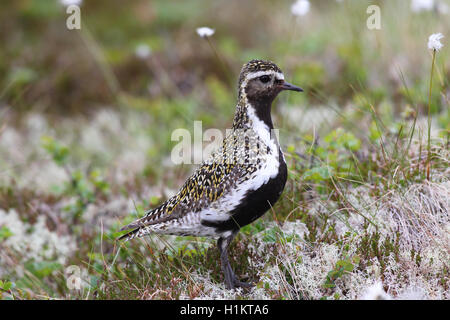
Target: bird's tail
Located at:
point(130, 235)
point(137, 227)
point(140, 227)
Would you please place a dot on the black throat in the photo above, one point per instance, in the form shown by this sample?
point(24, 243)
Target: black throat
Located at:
point(263, 108)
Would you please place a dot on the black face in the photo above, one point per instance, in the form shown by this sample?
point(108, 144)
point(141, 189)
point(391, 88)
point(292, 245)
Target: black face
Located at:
point(267, 86)
point(259, 84)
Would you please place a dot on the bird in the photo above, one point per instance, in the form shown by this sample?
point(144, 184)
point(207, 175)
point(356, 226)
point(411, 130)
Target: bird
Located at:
point(239, 182)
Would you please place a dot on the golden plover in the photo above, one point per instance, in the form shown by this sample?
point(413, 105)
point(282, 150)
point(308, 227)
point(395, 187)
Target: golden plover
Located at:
point(239, 182)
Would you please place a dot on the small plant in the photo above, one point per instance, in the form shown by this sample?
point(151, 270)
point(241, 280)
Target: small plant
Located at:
point(334, 157)
point(5, 287)
point(84, 187)
point(342, 267)
point(5, 233)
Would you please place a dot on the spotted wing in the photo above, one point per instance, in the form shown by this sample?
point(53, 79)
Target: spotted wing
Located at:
point(226, 168)
point(204, 187)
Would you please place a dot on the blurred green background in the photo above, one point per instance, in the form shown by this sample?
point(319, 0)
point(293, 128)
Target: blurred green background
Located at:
point(44, 65)
point(180, 77)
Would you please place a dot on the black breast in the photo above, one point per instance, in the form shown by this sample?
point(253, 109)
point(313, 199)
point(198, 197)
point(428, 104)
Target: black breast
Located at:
point(255, 203)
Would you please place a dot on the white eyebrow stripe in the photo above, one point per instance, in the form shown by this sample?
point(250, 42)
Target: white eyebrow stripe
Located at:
point(258, 74)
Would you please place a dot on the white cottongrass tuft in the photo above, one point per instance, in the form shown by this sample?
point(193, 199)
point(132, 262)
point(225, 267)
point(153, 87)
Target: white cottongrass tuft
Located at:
point(142, 51)
point(434, 41)
point(376, 292)
point(71, 2)
point(422, 5)
point(205, 32)
point(300, 8)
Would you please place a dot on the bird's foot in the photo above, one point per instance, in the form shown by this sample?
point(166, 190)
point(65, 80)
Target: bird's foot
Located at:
point(240, 284)
point(236, 283)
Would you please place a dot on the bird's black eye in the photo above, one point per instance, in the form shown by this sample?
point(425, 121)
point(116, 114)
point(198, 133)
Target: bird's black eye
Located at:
point(264, 79)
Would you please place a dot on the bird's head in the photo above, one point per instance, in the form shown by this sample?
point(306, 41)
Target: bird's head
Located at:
point(261, 81)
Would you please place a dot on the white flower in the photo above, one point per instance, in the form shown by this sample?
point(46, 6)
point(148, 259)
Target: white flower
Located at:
point(71, 2)
point(434, 41)
point(142, 51)
point(300, 8)
point(205, 32)
point(422, 5)
point(376, 292)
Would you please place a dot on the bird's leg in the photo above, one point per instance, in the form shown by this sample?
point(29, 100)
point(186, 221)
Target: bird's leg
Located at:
point(223, 243)
point(231, 281)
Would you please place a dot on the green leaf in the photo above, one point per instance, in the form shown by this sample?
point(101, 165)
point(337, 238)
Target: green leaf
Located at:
point(58, 151)
point(42, 269)
point(7, 285)
point(318, 173)
point(346, 265)
point(5, 233)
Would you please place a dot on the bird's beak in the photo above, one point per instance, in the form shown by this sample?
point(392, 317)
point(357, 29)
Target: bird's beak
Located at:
point(288, 86)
